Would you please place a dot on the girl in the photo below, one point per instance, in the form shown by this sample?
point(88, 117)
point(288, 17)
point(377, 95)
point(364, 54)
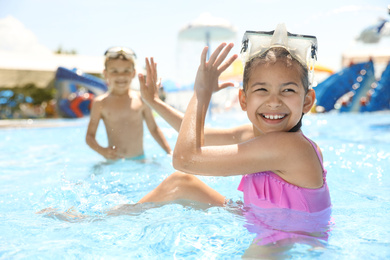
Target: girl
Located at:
point(284, 182)
point(281, 167)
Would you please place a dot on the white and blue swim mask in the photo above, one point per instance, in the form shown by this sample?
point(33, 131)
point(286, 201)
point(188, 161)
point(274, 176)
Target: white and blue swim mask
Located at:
point(301, 47)
point(115, 52)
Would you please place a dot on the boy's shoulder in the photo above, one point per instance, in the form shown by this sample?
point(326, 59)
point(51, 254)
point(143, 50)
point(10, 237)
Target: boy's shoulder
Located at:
point(108, 97)
point(101, 97)
point(135, 94)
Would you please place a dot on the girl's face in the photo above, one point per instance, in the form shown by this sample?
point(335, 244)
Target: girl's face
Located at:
point(275, 98)
point(119, 73)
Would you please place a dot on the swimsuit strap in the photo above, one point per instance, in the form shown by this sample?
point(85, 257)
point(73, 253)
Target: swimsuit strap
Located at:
point(318, 154)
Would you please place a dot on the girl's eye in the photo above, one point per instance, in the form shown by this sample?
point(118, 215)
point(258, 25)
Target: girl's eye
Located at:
point(260, 89)
point(289, 90)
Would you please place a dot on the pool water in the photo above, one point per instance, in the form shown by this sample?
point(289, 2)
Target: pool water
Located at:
point(47, 166)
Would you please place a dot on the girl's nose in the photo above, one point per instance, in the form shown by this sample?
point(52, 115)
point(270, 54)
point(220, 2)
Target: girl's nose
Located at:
point(273, 101)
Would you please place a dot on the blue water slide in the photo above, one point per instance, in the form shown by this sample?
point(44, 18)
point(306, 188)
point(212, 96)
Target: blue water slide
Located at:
point(64, 106)
point(380, 99)
point(336, 85)
point(360, 88)
point(71, 101)
point(94, 84)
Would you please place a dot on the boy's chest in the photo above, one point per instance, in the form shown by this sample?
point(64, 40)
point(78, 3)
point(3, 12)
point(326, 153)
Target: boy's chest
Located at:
point(125, 109)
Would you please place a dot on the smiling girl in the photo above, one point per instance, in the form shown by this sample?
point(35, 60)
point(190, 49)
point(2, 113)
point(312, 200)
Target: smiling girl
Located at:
point(281, 167)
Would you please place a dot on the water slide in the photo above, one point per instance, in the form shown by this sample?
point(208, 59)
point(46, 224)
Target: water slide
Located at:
point(73, 102)
point(362, 85)
point(379, 97)
point(349, 84)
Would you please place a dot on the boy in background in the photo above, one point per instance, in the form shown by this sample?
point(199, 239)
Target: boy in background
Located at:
point(122, 111)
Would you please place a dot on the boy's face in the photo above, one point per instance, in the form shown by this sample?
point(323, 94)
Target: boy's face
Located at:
point(119, 73)
point(275, 98)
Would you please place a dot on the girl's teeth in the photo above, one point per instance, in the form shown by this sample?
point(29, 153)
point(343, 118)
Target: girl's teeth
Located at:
point(273, 116)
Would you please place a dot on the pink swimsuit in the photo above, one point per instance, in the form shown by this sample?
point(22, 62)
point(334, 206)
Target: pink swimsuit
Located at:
point(268, 190)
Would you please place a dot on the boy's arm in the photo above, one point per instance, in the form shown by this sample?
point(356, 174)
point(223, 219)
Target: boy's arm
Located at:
point(213, 136)
point(149, 92)
point(95, 115)
point(155, 131)
point(173, 116)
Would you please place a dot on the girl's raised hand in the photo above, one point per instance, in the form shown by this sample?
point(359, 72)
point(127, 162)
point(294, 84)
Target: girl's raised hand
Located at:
point(209, 71)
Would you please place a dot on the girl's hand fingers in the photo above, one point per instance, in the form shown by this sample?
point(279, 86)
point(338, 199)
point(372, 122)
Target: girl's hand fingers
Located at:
point(224, 54)
point(226, 84)
point(203, 56)
point(227, 63)
point(216, 53)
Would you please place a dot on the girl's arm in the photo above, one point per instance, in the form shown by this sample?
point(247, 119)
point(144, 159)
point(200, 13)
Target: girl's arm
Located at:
point(258, 154)
point(288, 155)
point(190, 154)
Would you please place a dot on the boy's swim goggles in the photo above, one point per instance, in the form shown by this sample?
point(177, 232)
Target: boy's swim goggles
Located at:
point(115, 52)
point(301, 47)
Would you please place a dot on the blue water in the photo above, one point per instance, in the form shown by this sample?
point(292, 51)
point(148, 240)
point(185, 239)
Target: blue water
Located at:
point(47, 166)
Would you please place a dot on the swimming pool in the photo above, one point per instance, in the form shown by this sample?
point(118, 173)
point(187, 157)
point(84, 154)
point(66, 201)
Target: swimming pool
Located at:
point(53, 167)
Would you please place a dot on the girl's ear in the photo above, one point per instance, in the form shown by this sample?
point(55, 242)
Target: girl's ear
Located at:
point(309, 100)
point(242, 98)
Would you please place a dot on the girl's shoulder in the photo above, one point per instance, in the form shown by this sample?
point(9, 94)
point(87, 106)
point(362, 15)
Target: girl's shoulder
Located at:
point(295, 145)
point(303, 158)
point(284, 152)
point(285, 140)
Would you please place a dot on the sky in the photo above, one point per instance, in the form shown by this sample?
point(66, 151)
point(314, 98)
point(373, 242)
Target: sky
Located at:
point(151, 27)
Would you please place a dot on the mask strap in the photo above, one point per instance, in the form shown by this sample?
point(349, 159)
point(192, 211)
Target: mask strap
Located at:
point(298, 126)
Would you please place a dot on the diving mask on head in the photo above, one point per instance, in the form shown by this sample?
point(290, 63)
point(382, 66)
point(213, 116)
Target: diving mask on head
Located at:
point(301, 47)
point(115, 52)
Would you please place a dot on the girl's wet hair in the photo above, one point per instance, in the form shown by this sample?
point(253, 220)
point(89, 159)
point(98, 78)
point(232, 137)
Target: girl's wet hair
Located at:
point(271, 56)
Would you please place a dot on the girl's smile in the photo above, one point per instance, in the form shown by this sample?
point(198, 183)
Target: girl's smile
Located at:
point(273, 118)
